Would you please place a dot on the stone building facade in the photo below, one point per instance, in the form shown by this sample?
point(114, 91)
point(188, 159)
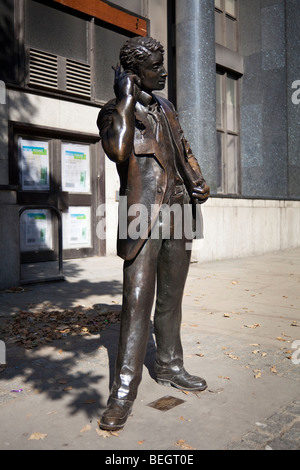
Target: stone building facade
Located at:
point(234, 76)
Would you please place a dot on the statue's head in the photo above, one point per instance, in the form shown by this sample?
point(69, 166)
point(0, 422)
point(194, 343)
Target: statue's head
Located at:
point(136, 50)
point(144, 56)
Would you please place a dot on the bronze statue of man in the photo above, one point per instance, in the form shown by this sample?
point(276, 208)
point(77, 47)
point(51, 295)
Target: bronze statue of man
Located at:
point(140, 132)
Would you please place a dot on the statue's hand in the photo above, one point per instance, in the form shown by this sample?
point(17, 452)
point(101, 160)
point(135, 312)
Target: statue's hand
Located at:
point(126, 83)
point(201, 192)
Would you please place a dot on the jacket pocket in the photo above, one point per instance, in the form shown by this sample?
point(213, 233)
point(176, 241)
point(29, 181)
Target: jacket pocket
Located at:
point(143, 145)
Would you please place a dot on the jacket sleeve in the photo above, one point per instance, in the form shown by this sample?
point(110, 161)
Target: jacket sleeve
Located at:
point(193, 170)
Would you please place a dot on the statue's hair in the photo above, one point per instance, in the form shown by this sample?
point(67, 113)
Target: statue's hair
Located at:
point(136, 50)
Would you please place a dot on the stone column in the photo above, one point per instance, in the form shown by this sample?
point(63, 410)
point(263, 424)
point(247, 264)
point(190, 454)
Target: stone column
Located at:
point(196, 75)
point(292, 31)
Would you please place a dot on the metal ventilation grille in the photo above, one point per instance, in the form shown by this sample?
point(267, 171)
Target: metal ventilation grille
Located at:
point(56, 72)
point(78, 78)
point(43, 69)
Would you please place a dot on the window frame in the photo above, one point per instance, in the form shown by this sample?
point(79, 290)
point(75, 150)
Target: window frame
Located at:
point(224, 132)
point(224, 15)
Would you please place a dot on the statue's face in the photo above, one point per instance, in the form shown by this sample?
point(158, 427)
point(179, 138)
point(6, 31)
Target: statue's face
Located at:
point(153, 73)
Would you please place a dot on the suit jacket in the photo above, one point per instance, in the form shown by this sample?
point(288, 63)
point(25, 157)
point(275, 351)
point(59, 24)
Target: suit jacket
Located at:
point(143, 177)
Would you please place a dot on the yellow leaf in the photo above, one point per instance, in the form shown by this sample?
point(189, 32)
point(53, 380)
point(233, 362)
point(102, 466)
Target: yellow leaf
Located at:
point(235, 358)
point(182, 443)
point(86, 428)
point(37, 436)
point(103, 433)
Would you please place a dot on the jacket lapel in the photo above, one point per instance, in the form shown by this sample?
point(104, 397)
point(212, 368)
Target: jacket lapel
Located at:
point(146, 142)
point(171, 121)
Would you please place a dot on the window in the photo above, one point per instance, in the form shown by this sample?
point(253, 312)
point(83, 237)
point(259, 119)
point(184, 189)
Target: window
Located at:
point(71, 45)
point(226, 23)
point(227, 132)
point(229, 69)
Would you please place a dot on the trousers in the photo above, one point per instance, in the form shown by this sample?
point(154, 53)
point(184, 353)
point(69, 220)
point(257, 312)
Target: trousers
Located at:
point(160, 267)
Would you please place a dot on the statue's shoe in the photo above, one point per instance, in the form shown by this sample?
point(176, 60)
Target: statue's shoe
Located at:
point(116, 414)
point(182, 380)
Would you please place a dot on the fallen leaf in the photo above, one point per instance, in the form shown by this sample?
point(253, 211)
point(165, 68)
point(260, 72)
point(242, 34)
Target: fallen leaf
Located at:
point(37, 436)
point(105, 434)
point(67, 389)
point(280, 339)
point(102, 433)
point(85, 428)
point(226, 315)
point(256, 325)
point(236, 358)
point(181, 418)
point(273, 369)
point(257, 373)
point(141, 442)
point(182, 443)
point(43, 325)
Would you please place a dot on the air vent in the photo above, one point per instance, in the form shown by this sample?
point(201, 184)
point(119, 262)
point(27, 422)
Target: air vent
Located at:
point(43, 69)
point(78, 78)
point(56, 72)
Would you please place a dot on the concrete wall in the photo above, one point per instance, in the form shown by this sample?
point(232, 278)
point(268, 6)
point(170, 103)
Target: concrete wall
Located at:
point(235, 228)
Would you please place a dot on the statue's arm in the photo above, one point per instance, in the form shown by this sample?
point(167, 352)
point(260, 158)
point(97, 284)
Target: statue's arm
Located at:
point(116, 123)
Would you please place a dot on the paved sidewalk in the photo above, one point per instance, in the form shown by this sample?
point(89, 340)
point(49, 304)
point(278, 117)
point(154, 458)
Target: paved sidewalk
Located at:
point(241, 331)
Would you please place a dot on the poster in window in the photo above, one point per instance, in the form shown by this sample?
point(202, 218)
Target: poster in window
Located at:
point(34, 165)
point(75, 163)
point(36, 230)
point(77, 223)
